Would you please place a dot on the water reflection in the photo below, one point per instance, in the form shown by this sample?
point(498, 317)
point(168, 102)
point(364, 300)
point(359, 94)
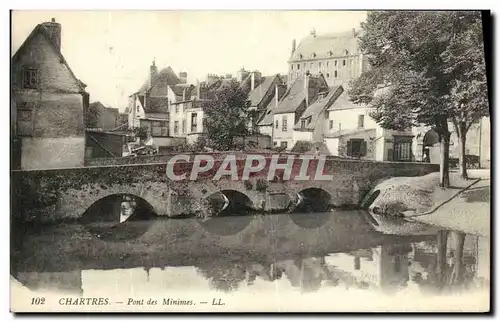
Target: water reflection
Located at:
point(270, 252)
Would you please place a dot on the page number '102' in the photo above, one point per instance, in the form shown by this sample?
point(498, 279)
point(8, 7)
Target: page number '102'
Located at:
point(38, 301)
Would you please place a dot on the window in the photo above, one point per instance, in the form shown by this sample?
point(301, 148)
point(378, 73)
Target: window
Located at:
point(298, 66)
point(183, 126)
point(361, 121)
point(402, 148)
point(176, 127)
point(284, 144)
point(340, 127)
point(356, 148)
point(335, 74)
point(327, 64)
point(30, 78)
point(357, 263)
point(327, 75)
point(303, 124)
point(176, 109)
point(335, 63)
point(343, 62)
point(276, 124)
point(275, 143)
point(331, 124)
point(284, 125)
point(194, 122)
point(319, 64)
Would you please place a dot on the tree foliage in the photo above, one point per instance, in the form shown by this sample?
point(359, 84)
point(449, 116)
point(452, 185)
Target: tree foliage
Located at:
point(427, 68)
point(226, 117)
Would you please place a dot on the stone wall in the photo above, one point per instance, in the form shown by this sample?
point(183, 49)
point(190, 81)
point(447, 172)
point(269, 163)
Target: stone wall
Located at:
point(48, 195)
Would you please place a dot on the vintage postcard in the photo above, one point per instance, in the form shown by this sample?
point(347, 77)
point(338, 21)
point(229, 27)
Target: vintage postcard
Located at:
point(250, 161)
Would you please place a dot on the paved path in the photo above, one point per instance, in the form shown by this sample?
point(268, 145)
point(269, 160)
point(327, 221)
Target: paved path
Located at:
point(469, 211)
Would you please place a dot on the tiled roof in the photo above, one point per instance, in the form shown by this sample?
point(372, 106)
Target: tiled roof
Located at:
point(294, 97)
point(347, 132)
point(314, 110)
point(326, 46)
point(343, 103)
point(260, 91)
point(179, 90)
point(154, 104)
point(166, 77)
point(268, 117)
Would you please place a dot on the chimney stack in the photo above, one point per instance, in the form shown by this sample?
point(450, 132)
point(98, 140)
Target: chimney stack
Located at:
point(153, 72)
point(198, 89)
point(252, 84)
point(293, 45)
point(54, 30)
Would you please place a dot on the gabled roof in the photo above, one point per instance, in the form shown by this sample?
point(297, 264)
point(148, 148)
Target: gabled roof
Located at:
point(326, 46)
point(343, 103)
point(40, 29)
point(179, 89)
point(296, 94)
point(154, 104)
point(260, 91)
point(313, 111)
point(166, 77)
point(268, 117)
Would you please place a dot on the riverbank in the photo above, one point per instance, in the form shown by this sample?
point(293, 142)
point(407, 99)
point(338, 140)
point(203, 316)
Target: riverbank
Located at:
point(414, 196)
point(465, 206)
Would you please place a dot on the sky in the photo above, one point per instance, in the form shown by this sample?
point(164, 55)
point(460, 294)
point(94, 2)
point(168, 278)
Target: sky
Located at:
point(111, 51)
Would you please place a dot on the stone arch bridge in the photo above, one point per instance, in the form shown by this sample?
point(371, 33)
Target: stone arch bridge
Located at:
point(59, 194)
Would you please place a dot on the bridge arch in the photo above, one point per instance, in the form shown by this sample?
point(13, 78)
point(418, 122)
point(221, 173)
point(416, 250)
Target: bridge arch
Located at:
point(227, 202)
point(78, 201)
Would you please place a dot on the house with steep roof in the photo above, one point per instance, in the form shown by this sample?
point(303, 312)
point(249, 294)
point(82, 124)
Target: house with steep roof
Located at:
point(335, 55)
point(48, 104)
point(149, 107)
point(312, 124)
point(352, 132)
point(302, 93)
point(263, 99)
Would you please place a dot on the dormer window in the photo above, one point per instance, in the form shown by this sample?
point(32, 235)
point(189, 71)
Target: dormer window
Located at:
point(300, 56)
point(330, 53)
point(313, 55)
point(30, 78)
point(346, 52)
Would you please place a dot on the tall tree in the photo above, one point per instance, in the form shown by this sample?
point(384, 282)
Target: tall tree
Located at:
point(410, 55)
point(226, 117)
point(464, 61)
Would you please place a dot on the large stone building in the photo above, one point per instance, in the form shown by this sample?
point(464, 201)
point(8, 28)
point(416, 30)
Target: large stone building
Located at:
point(48, 104)
point(336, 56)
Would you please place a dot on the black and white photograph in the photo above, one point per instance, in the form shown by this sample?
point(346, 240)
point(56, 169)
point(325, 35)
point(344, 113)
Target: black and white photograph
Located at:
point(268, 161)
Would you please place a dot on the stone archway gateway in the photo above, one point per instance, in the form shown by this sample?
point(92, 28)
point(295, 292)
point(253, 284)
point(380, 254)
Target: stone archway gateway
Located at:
point(431, 138)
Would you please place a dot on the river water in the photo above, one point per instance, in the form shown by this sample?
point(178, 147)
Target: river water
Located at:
point(280, 262)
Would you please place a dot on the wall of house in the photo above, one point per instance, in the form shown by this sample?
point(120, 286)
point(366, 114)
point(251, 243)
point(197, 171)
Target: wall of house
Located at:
point(370, 145)
point(50, 153)
point(284, 136)
point(108, 118)
point(348, 119)
point(199, 120)
point(302, 136)
point(332, 145)
point(103, 145)
point(178, 116)
point(266, 130)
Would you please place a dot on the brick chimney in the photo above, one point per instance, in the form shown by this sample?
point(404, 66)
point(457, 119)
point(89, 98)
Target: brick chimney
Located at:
point(183, 77)
point(153, 72)
point(54, 30)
